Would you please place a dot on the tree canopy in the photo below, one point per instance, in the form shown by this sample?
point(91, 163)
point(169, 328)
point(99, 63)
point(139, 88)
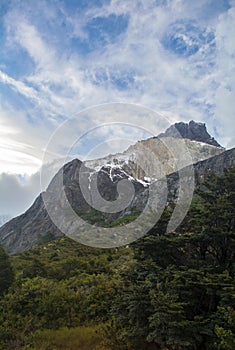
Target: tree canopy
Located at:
point(174, 291)
point(6, 271)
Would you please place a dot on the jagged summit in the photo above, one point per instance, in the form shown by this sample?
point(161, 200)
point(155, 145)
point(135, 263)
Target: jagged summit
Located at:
point(194, 131)
point(142, 164)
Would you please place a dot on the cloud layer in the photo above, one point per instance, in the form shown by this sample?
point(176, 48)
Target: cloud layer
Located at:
point(60, 57)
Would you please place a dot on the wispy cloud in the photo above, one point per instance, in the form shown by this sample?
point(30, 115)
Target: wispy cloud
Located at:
point(58, 58)
point(225, 93)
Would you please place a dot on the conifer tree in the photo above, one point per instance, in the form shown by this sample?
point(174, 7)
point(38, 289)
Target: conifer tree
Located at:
point(6, 272)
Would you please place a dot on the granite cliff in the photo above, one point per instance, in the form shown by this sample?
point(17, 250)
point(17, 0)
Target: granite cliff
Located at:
point(141, 164)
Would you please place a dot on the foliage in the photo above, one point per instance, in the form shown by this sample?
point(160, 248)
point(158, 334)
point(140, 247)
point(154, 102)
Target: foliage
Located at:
point(60, 284)
point(6, 272)
point(126, 219)
point(180, 283)
point(174, 291)
point(48, 237)
point(82, 338)
point(226, 329)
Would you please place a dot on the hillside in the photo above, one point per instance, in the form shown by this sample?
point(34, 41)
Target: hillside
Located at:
point(141, 165)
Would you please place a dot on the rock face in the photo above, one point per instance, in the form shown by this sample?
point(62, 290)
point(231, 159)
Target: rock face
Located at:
point(192, 131)
point(182, 144)
point(203, 169)
point(215, 164)
point(35, 226)
point(142, 164)
point(157, 157)
point(4, 218)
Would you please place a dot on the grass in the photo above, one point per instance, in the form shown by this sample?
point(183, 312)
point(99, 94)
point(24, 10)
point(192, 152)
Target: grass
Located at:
point(80, 338)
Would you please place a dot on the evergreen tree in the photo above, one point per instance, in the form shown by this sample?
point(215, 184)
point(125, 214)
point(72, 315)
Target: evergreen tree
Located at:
point(6, 272)
point(180, 283)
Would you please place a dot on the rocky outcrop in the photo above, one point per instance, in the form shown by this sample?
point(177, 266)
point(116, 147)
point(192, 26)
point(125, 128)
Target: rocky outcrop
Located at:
point(192, 131)
point(214, 165)
point(203, 169)
point(141, 165)
point(157, 157)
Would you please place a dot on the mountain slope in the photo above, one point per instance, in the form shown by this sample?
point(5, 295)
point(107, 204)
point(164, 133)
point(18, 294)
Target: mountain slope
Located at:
point(156, 157)
point(4, 218)
point(141, 164)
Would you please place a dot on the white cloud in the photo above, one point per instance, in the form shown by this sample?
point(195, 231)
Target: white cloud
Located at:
point(225, 94)
point(27, 36)
point(19, 86)
point(64, 81)
point(21, 142)
point(160, 72)
point(16, 197)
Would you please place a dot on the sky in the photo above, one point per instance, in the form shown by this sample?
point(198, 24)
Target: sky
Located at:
point(59, 58)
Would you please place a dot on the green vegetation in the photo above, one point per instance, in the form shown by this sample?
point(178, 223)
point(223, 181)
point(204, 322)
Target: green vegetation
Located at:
point(126, 219)
point(6, 272)
point(48, 237)
point(82, 338)
point(95, 217)
point(172, 291)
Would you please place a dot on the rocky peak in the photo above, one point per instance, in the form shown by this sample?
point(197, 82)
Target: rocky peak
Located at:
point(193, 131)
point(142, 164)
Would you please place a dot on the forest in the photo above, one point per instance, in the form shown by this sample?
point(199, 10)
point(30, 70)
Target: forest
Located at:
point(165, 291)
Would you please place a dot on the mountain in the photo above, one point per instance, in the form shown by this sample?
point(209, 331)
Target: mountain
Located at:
point(144, 164)
point(4, 218)
point(192, 131)
point(142, 160)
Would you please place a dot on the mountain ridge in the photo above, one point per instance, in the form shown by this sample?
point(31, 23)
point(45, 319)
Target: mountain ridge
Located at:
point(35, 225)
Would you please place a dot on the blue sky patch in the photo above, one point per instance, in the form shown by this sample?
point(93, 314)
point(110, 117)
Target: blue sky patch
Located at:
point(16, 62)
point(186, 38)
point(104, 30)
point(122, 80)
point(81, 5)
point(99, 32)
